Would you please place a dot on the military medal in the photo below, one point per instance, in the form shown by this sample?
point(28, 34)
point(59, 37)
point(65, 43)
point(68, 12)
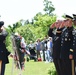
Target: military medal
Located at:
point(65, 39)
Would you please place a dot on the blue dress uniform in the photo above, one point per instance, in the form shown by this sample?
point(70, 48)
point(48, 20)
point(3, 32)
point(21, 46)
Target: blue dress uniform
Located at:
point(56, 49)
point(73, 52)
point(66, 45)
point(3, 51)
point(74, 37)
point(74, 43)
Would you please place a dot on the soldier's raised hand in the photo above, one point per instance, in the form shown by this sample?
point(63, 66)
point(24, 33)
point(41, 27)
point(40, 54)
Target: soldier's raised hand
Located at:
point(53, 25)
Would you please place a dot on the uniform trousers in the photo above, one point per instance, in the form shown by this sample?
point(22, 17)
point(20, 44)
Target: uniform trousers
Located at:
point(75, 66)
point(57, 63)
point(66, 65)
point(3, 68)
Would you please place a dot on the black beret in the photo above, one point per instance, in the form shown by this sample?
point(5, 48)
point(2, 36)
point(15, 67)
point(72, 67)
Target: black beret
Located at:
point(68, 17)
point(1, 23)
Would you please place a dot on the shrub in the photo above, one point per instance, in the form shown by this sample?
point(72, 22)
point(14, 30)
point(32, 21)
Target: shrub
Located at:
point(52, 70)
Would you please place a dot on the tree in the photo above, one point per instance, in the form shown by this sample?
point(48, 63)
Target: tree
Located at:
point(27, 21)
point(37, 28)
point(49, 8)
point(36, 16)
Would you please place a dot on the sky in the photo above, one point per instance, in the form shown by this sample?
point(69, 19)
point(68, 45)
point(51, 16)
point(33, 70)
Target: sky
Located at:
point(12, 11)
point(64, 7)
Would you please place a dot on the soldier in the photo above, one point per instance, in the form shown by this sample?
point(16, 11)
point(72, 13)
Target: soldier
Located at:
point(56, 45)
point(3, 51)
point(66, 46)
point(74, 45)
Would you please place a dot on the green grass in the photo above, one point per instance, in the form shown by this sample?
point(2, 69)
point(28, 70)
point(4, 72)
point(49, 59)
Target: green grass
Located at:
point(31, 68)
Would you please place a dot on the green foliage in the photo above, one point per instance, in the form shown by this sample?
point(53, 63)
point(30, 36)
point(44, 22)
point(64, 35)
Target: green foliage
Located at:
point(8, 40)
point(42, 25)
point(49, 8)
point(52, 70)
point(26, 32)
point(8, 43)
point(37, 28)
point(31, 32)
point(13, 28)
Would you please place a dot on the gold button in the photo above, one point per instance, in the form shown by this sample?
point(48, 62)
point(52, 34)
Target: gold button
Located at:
point(69, 39)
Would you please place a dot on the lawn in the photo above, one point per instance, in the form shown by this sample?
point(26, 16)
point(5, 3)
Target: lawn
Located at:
point(31, 68)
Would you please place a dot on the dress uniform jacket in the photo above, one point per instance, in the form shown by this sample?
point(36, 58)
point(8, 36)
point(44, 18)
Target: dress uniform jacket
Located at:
point(73, 52)
point(56, 49)
point(66, 45)
point(56, 42)
point(3, 51)
point(66, 42)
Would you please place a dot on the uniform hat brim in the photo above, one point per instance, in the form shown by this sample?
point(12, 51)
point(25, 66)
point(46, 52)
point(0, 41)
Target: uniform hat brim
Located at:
point(68, 17)
point(74, 16)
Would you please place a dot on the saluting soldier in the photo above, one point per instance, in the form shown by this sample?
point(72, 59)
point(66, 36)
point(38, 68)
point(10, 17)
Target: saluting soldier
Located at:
point(66, 46)
point(3, 51)
point(56, 35)
point(74, 44)
point(74, 37)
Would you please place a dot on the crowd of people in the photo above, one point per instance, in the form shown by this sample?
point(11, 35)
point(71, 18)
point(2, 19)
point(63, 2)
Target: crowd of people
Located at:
point(38, 50)
point(41, 50)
